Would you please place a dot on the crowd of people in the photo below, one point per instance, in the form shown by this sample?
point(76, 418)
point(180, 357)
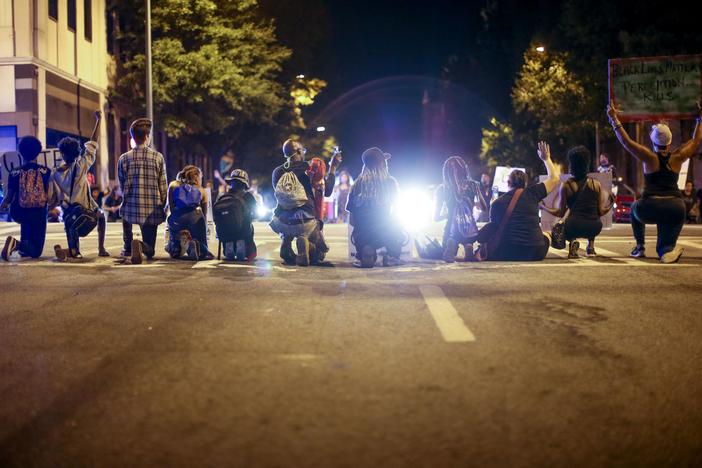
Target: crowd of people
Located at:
point(302, 188)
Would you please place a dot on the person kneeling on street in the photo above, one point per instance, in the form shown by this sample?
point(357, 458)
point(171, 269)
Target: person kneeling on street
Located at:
point(187, 224)
point(233, 214)
point(661, 203)
point(371, 203)
point(29, 192)
point(294, 217)
point(514, 231)
point(583, 201)
point(81, 211)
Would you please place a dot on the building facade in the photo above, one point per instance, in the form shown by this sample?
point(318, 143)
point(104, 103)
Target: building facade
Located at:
point(54, 74)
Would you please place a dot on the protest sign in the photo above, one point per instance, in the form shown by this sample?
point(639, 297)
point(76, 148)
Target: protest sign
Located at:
point(654, 88)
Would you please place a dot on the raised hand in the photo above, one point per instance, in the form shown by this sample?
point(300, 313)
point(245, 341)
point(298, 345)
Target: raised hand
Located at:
point(543, 150)
point(613, 112)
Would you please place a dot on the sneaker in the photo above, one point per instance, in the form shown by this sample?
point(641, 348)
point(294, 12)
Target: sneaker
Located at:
point(673, 256)
point(240, 250)
point(125, 253)
point(450, 251)
point(184, 237)
point(103, 253)
point(10, 246)
point(638, 252)
point(192, 251)
point(573, 250)
point(286, 252)
point(303, 252)
point(590, 251)
point(136, 254)
point(61, 254)
point(75, 253)
point(368, 256)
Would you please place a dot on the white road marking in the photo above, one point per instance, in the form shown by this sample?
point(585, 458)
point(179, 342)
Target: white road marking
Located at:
point(450, 324)
point(689, 243)
point(618, 257)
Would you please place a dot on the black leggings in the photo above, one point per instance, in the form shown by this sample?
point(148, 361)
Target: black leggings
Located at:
point(576, 227)
point(668, 214)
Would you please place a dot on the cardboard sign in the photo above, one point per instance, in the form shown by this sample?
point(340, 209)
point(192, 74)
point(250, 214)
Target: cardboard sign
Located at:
point(11, 160)
point(548, 220)
point(653, 88)
point(501, 175)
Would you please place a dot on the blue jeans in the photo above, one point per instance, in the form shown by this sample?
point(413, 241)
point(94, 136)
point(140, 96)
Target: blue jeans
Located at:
point(668, 214)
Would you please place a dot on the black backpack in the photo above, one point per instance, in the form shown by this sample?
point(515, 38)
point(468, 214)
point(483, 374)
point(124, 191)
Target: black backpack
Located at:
point(231, 216)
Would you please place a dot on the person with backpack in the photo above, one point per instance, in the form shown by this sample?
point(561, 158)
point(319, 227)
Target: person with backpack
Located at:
point(514, 231)
point(81, 213)
point(371, 203)
point(187, 222)
point(142, 178)
point(295, 216)
point(583, 202)
point(661, 203)
point(233, 214)
point(458, 194)
point(29, 192)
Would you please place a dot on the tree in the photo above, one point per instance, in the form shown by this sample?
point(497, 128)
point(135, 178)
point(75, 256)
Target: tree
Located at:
point(215, 68)
point(547, 102)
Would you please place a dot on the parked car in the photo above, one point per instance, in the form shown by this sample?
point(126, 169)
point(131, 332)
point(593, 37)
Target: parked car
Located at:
point(622, 208)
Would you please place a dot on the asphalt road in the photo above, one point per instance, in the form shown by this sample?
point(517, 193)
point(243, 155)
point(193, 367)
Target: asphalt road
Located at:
point(592, 362)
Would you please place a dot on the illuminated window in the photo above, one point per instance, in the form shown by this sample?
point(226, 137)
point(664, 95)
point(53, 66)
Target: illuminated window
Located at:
point(88, 19)
point(71, 15)
point(53, 9)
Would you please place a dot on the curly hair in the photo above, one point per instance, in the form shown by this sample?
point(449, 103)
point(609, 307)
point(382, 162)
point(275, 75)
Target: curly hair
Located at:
point(69, 148)
point(579, 162)
point(189, 175)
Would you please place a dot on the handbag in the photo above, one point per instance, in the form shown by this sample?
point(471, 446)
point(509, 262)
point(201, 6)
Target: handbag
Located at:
point(558, 240)
point(78, 218)
point(488, 249)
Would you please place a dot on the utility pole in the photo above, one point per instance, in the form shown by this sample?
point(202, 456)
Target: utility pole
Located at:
point(149, 87)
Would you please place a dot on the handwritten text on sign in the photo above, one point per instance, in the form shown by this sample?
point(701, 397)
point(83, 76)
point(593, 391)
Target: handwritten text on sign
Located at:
point(656, 87)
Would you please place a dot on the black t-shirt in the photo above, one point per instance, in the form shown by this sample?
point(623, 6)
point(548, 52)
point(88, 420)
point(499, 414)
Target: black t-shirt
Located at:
point(523, 226)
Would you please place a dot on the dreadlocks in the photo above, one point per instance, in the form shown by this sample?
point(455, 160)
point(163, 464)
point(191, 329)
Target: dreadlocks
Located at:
point(456, 179)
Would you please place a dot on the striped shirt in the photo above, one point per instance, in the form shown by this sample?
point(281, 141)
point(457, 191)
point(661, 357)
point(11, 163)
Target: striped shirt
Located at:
point(142, 177)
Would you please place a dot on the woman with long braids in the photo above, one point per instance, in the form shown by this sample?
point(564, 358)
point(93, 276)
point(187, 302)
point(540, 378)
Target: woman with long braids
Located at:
point(371, 204)
point(458, 194)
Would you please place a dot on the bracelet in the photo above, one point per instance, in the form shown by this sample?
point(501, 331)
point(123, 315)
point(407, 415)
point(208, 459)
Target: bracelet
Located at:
point(617, 127)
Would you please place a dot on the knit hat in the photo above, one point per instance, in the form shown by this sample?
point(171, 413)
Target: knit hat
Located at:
point(661, 135)
point(374, 153)
point(240, 175)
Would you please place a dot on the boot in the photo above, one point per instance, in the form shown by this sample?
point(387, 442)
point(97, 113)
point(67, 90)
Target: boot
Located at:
point(573, 250)
point(450, 251)
point(286, 251)
point(368, 256)
point(303, 252)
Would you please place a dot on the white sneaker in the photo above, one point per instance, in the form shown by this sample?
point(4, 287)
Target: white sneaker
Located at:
point(673, 256)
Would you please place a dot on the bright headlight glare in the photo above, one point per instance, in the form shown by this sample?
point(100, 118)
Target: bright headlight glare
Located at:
point(261, 211)
point(415, 209)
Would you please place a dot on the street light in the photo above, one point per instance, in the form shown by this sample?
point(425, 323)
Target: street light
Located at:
point(320, 129)
point(541, 49)
point(300, 77)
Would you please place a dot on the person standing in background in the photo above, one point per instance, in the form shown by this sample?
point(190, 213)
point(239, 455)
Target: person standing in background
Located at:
point(341, 196)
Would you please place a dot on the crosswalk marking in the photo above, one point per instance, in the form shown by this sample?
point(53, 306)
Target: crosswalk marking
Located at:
point(450, 324)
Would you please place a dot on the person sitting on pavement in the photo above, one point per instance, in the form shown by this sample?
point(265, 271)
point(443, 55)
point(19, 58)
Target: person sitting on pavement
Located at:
point(142, 179)
point(585, 199)
point(72, 187)
point(522, 238)
point(29, 192)
point(318, 175)
point(661, 203)
point(370, 205)
point(295, 216)
point(457, 195)
point(233, 214)
point(187, 222)
point(111, 204)
point(692, 203)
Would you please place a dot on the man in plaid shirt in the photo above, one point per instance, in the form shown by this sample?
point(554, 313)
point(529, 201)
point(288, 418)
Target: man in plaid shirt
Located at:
point(142, 178)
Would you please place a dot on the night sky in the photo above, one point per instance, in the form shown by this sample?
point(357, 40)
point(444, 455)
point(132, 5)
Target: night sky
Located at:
point(384, 63)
